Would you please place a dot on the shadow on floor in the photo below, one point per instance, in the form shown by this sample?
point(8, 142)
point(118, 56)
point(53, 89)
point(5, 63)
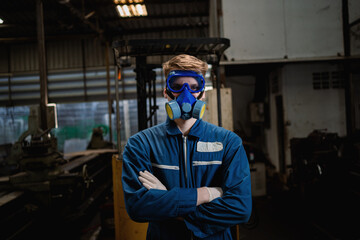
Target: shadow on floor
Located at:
point(286, 216)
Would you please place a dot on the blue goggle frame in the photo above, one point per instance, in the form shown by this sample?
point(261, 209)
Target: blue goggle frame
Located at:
point(182, 73)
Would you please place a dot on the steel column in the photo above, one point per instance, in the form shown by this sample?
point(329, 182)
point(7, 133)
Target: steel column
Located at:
point(350, 118)
point(42, 63)
point(141, 91)
point(108, 88)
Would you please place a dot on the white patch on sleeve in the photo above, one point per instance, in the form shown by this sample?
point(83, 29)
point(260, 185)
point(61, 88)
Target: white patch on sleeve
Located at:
point(209, 146)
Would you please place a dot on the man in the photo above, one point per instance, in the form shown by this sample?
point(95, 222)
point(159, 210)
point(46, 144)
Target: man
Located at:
point(188, 178)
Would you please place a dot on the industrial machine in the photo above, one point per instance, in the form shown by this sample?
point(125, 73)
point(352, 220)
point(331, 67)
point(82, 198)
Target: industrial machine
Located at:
point(46, 194)
point(325, 180)
point(315, 159)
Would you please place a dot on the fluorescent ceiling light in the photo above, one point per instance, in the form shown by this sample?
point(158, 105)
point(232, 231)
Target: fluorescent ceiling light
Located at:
point(126, 10)
point(132, 10)
point(139, 9)
point(127, 1)
point(144, 10)
point(120, 11)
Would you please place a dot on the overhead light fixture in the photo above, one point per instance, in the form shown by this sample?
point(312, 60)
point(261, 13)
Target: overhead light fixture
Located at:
point(120, 11)
point(131, 8)
point(1, 21)
point(127, 1)
point(126, 10)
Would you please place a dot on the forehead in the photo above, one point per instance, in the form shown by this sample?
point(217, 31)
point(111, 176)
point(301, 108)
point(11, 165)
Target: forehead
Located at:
point(182, 80)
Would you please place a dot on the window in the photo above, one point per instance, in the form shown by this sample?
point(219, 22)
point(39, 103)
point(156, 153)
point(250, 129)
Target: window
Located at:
point(327, 80)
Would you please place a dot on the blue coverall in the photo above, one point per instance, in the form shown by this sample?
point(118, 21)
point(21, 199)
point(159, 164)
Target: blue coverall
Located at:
point(208, 156)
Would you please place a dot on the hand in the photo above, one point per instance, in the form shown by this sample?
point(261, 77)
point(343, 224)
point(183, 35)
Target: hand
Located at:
point(149, 181)
point(214, 192)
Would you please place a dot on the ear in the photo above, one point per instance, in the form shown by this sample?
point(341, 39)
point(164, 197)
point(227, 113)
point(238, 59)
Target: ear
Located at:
point(164, 93)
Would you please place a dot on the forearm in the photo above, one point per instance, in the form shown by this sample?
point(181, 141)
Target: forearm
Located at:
point(207, 194)
point(155, 205)
point(202, 196)
point(234, 206)
point(231, 209)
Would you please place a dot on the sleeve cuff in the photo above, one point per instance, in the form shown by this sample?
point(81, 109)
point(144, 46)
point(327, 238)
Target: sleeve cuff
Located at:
point(187, 198)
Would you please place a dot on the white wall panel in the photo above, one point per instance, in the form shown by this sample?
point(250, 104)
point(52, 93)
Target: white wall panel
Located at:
point(313, 28)
point(255, 29)
point(354, 10)
point(273, 29)
point(354, 14)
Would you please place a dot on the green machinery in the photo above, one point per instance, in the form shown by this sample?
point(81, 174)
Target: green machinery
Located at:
point(62, 188)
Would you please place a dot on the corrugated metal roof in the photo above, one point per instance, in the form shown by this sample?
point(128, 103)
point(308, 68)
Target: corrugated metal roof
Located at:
point(66, 18)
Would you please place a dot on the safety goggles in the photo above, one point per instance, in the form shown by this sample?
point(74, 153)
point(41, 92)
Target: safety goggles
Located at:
point(176, 86)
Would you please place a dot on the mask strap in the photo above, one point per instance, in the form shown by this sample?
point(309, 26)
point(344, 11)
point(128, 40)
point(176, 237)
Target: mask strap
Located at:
point(201, 94)
point(169, 93)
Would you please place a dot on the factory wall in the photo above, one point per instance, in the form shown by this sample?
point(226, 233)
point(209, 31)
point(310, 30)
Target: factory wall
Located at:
point(76, 72)
point(312, 99)
point(302, 96)
point(60, 54)
point(243, 88)
point(76, 122)
point(354, 14)
point(77, 76)
point(287, 29)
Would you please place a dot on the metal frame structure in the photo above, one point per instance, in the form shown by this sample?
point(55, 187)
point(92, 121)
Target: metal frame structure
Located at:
point(210, 48)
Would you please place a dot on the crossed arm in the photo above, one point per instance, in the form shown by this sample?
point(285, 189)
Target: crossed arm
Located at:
point(204, 194)
point(145, 195)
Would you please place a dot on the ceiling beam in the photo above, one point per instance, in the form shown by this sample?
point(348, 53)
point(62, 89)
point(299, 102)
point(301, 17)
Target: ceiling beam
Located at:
point(156, 17)
point(78, 14)
point(163, 29)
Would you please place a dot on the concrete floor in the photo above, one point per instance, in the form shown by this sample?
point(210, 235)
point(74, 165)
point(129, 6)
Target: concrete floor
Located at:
point(274, 221)
point(283, 215)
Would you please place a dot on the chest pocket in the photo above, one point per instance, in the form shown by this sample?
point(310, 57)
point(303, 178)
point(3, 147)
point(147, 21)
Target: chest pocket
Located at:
point(166, 170)
point(208, 153)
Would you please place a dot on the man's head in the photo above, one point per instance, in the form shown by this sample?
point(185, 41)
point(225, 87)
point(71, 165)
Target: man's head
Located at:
point(185, 62)
point(185, 86)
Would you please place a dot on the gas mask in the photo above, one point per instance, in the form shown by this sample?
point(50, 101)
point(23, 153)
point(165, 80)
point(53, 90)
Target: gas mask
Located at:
point(185, 106)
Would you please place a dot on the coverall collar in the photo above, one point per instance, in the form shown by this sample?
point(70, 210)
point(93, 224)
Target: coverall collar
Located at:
point(172, 129)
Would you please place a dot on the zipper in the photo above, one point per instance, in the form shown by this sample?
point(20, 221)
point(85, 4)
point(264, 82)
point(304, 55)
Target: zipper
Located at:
point(185, 161)
point(185, 156)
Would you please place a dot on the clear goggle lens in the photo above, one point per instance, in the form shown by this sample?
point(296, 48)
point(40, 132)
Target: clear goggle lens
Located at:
point(176, 86)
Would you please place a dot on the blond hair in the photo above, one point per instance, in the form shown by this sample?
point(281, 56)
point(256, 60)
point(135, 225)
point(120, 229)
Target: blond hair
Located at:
point(185, 62)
